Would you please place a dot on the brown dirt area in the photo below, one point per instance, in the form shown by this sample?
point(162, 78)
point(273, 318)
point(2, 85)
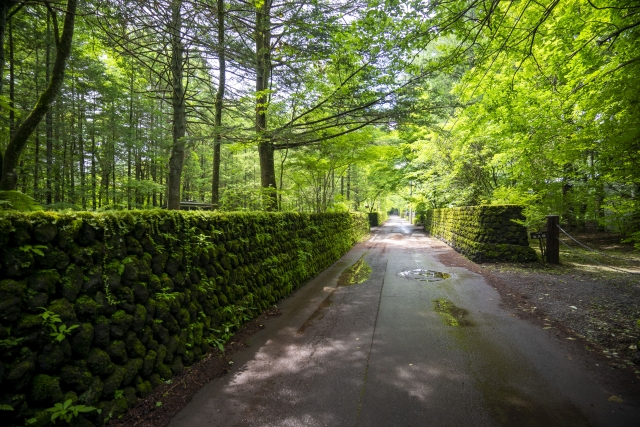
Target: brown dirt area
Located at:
point(591, 300)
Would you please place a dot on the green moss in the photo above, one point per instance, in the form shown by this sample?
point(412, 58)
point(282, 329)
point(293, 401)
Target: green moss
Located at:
point(82, 340)
point(53, 356)
point(46, 388)
point(77, 378)
point(135, 348)
point(20, 373)
point(129, 394)
point(99, 362)
point(117, 352)
point(113, 381)
point(120, 323)
point(143, 389)
point(72, 282)
point(139, 318)
point(63, 308)
point(164, 371)
point(102, 332)
point(92, 396)
point(149, 363)
point(131, 370)
point(86, 308)
point(44, 281)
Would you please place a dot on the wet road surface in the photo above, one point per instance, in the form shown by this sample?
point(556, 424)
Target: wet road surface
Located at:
point(388, 336)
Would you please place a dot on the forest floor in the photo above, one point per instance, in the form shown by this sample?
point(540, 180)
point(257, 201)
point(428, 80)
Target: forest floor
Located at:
point(589, 298)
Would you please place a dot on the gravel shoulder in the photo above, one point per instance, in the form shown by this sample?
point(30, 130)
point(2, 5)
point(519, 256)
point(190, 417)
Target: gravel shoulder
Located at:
point(591, 301)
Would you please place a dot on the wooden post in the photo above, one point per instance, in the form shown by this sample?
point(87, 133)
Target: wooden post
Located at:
point(553, 239)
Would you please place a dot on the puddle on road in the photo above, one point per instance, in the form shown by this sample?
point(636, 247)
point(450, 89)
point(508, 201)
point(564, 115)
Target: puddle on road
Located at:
point(357, 273)
point(453, 315)
point(424, 275)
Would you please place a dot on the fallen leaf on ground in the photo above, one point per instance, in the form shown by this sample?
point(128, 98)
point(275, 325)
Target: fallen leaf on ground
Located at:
point(615, 399)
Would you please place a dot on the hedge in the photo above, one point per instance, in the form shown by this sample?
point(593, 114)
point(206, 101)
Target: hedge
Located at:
point(481, 233)
point(377, 218)
point(101, 308)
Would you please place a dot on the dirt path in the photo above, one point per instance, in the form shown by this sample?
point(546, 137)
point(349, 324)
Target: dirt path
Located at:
point(407, 347)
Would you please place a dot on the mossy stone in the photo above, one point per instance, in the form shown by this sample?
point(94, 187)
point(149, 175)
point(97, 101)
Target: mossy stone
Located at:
point(105, 302)
point(17, 263)
point(131, 370)
point(139, 318)
point(144, 268)
point(143, 388)
point(161, 354)
point(129, 394)
point(93, 280)
point(45, 233)
point(113, 381)
point(145, 335)
point(150, 306)
point(79, 255)
point(53, 356)
point(86, 308)
point(176, 365)
point(140, 293)
point(20, 374)
point(112, 275)
point(63, 308)
point(28, 323)
point(82, 340)
point(155, 380)
point(188, 358)
point(120, 407)
point(102, 332)
point(99, 362)
point(77, 378)
point(120, 323)
point(130, 273)
point(44, 281)
point(133, 246)
point(136, 349)
point(117, 352)
point(92, 396)
point(149, 363)
point(46, 388)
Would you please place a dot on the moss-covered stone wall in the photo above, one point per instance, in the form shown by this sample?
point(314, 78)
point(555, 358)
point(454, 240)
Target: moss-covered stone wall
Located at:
point(100, 308)
point(377, 218)
point(481, 233)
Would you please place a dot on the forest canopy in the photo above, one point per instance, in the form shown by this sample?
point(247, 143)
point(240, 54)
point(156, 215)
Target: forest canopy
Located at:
point(325, 105)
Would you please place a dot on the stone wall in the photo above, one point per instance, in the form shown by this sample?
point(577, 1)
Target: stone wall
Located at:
point(101, 308)
point(481, 233)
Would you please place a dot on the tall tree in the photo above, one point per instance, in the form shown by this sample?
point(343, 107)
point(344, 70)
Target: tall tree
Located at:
point(10, 160)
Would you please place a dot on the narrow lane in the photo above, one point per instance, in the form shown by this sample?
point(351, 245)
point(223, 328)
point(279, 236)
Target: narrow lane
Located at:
point(407, 347)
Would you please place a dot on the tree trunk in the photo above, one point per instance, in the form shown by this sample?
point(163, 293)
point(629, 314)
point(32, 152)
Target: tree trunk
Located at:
point(215, 180)
point(19, 140)
point(12, 84)
point(263, 76)
point(83, 183)
point(49, 116)
point(176, 161)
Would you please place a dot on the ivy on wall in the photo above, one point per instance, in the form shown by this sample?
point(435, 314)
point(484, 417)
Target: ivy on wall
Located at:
point(97, 309)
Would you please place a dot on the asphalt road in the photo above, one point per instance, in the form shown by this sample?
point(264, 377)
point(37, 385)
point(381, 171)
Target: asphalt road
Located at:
point(386, 353)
